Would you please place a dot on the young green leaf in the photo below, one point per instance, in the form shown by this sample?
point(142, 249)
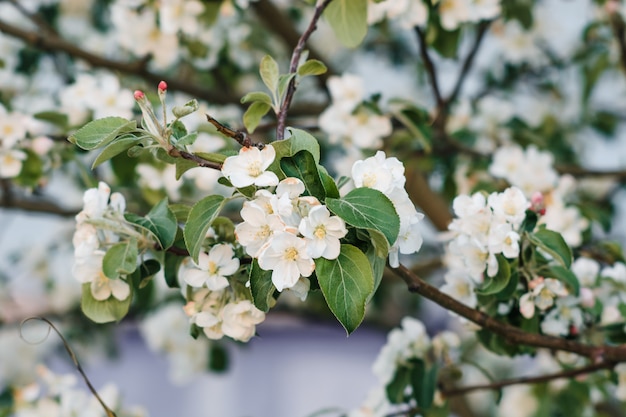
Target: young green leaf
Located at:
point(120, 259)
point(269, 73)
point(497, 283)
point(256, 96)
point(105, 311)
point(348, 19)
point(100, 132)
point(346, 283)
point(261, 287)
point(367, 208)
point(115, 148)
point(160, 221)
point(312, 67)
point(253, 115)
point(553, 243)
point(330, 187)
point(200, 218)
point(564, 275)
point(397, 386)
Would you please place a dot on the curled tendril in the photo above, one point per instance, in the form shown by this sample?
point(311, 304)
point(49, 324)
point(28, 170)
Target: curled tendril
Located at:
point(71, 354)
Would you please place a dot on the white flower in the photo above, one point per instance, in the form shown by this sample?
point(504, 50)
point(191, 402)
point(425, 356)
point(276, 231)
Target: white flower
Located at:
point(565, 314)
point(379, 172)
point(322, 232)
point(453, 13)
point(293, 187)
point(212, 268)
point(347, 91)
point(503, 239)
point(460, 286)
point(211, 324)
point(257, 228)
point(102, 288)
point(11, 161)
point(510, 204)
point(542, 296)
point(586, 270)
point(301, 289)
point(239, 320)
point(249, 167)
point(286, 256)
point(617, 272)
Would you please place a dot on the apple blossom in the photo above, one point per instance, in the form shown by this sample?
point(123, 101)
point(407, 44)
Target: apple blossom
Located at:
point(322, 233)
point(212, 268)
point(287, 257)
point(249, 167)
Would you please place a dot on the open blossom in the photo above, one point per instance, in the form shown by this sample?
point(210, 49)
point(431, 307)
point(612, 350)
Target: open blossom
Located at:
point(379, 172)
point(586, 270)
point(322, 232)
point(249, 167)
point(565, 315)
point(239, 320)
point(460, 286)
point(212, 268)
point(511, 204)
point(542, 296)
point(88, 269)
point(288, 259)
point(257, 228)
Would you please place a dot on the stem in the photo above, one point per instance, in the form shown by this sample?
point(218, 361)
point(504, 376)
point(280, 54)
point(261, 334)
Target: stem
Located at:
point(293, 67)
point(195, 158)
point(430, 68)
point(512, 334)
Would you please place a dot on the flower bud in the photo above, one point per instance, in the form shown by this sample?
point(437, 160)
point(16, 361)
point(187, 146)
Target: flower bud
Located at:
point(139, 95)
point(538, 203)
point(162, 87)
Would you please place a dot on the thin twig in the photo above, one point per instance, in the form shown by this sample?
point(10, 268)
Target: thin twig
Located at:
point(430, 68)
point(201, 162)
point(512, 334)
point(293, 66)
point(468, 62)
point(242, 138)
point(569, 373)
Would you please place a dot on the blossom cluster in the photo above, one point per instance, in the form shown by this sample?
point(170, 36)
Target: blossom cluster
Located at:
point(99, 225)
point(59, 395)
point(410, 341)
point(347, 122)
point(452, 13)
point(387, 176)
point(532, 171)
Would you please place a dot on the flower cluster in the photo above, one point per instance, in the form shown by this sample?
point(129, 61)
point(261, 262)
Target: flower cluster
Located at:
point(403, 345)
point(532, 171)
point(99, 225)
point(387, 176)
point(59, 395)
point(349, 123)
point(454, 13)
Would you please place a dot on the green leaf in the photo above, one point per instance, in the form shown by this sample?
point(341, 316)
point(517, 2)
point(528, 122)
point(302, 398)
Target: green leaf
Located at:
point(56, 118)
point(423, 382)
point(367, 208)
point(330, 187)
point(253, 115)
point(200, 218)
point(114, 148)
point(188, 108)
point(184, 165)
point(283, 83)
point(100, 132)
point(497, 283)
point(564, 275)
point(269, 73)
point(170, 269)
point(160, 221)
point(298, 141)
point(378, 268)
point(181, 211)
point(346, 283)
point(261, 287)
point(257, 96)
point(187, 140)
point(348, 19)
point(146, 271)
point(105, 311)
point(312, 67)
point(120, 259)
point(303, 166)
point(396, 387)
point(553, 243)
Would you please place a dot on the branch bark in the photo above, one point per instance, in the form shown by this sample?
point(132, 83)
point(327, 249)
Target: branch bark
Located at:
point(512, 334)
point(293, 66)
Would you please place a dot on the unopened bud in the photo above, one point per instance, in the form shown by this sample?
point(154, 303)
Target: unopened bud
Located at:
point(538, 203)
point(535, 283)
point(611, 6)
point(139, 95)
point(587, 297)
point(190, 308)
point(162, 86)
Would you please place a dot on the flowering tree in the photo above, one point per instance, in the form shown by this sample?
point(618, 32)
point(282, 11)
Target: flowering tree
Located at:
point(258, 160)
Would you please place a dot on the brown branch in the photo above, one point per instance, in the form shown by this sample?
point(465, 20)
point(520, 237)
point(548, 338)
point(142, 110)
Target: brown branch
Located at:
point(468, 62)
point(510, 333)
point(39, 205)
point(176, 153)
point(569, 373)
point(293, 66)
point(577, 171)
point(619, 31)
point(277, 22)
point(239, 137)
point(431, 203)
point(430, 68)
point(53, 43)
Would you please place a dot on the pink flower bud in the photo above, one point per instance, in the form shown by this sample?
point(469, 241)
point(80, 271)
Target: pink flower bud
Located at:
point(611, 6)
point(190, 308)
point(538, 203)
point(535, 283)
point(587, 297)
point(139, 95)
point(162, 86)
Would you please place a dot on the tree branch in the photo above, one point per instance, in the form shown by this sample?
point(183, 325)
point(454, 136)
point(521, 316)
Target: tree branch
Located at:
point(293, 66)
point(510, 333)
point(468, 62)
point(569, 373)
point(53, 43)
point(430, 68)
